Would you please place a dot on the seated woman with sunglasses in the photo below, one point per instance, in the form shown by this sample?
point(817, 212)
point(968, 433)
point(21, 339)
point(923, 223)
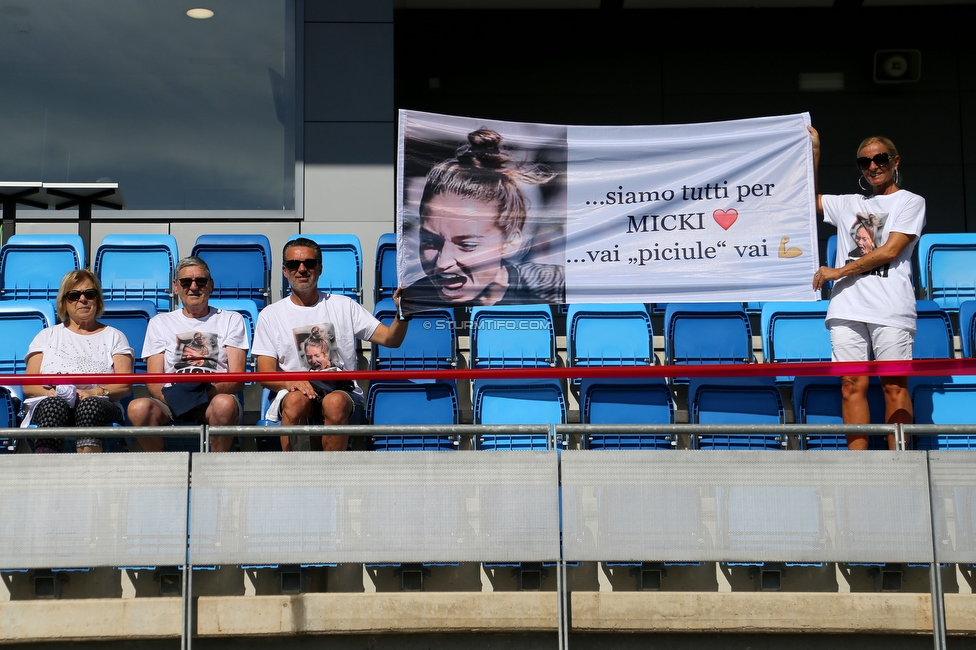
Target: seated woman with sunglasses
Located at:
point(79, 344)
point(872, 304)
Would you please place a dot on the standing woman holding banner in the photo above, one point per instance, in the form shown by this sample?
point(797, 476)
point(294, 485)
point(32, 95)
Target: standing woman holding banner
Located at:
point(872, 304)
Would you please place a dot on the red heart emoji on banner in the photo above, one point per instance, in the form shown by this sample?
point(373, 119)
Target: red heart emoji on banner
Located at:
point(725, 218)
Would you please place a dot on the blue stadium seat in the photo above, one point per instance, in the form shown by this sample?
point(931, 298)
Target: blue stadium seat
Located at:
point(617, 335)
point(31, 266)
point(342, 264)
point(240, 265)
point(137, 267)
point(132, 318)
point(947, 268)
point(512, 336)
point(500, 401)
point(967, 328)
point(412, 402)
point(736, 401)
point(265, 403)
point(944, 400)
point(706, 333)
point(817, 400)
point(248, 309)
point(934, 338)
point(9, 406)
point(609, 335)
point(830, 257)
point(627, 401)
point(20, 321)
point(385, 278)
point(430, 343)
point(794, 332)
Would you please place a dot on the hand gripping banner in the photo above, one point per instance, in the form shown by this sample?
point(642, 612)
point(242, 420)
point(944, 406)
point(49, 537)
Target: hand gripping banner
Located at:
point(492, 212)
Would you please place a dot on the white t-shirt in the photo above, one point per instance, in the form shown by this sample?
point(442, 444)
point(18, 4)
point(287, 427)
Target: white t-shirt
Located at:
point(883, 296)
point(69, 352)
point(313, 338)
point(195, 344)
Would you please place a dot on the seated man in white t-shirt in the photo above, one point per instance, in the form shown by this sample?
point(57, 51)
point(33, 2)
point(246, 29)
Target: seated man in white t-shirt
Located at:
point(197, 339)
point(311, 330)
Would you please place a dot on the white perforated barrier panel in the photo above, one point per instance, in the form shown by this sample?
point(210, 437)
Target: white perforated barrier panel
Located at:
point(954, 505)
point(91, 510)
point(742, 506)
point(294, 508)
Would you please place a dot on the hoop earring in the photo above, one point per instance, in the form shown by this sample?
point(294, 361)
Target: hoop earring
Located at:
point(897, 177)
point(860, 183)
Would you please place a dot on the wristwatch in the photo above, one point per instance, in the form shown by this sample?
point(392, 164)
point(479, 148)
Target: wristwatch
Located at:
point(104, 391)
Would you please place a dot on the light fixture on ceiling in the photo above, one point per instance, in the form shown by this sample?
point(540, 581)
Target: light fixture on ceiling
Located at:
point(200, 13)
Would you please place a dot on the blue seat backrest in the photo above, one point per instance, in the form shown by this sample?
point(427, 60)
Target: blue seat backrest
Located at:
point(704, 333)
point(248, 309)
point(240, 265)
point(512, 336)
point(410, 403)
point(132, 318)
point(342, 264)
point(137, 267)
point(517, 402)
point(967, 328)
point(944, 400)
point(736, 401)
point(934, 338)
point(8, 412)
point(609, 335)
point(795, 331)
point(947, 267)
point(385, 280)
point(627, 401)
point(831, 252)
point(430, 343)
point(20, 321)
point(817, 400)
point(31, 266)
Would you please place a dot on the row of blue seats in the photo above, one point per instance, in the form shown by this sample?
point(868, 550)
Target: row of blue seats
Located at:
point(523, 336)
point(141, 267)
point(816, 400)
point(31, 266)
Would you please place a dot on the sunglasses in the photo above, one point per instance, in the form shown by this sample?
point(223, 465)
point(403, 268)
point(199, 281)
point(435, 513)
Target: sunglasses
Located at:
point(880, 160)
point(186, 283)
point(74, 295)
point(293, 265)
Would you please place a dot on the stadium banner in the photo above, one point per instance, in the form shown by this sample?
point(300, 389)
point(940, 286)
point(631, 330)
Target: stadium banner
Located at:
point(493, 213)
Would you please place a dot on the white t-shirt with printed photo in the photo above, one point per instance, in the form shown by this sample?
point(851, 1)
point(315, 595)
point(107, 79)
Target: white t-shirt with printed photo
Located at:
point(882, 296)
point(195, 344)
point(319, 337)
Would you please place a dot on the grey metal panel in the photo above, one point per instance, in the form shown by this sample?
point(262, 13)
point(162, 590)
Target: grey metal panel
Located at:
point(809, 506)
point(253, 508)
point(91, 510)
point(954, 505)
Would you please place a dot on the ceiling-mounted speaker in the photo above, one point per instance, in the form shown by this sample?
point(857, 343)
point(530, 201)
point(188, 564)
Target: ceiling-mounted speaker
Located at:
point(897, 66)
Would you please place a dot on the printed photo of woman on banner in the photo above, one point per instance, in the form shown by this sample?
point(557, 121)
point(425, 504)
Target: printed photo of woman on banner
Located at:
point(484, 213)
